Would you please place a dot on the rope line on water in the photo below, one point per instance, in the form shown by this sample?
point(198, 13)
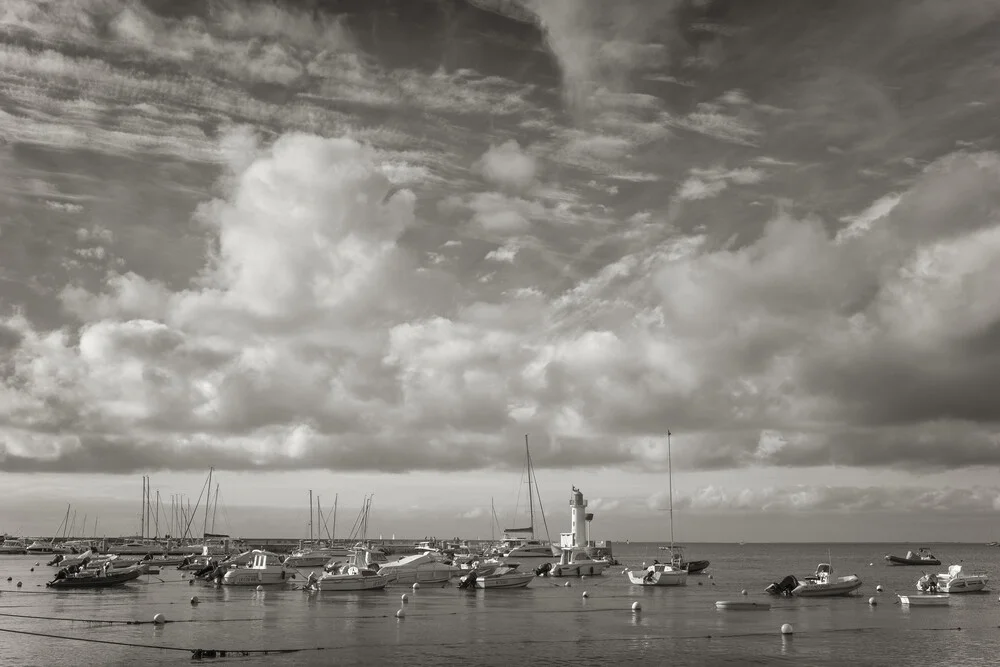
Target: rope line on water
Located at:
point(211, 653)
point(125, 622)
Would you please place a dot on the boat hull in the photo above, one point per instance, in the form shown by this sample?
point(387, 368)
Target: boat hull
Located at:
point(901, 560)
point(828, 590)
point(695, 566)
point(96, 580)
point(418, 576)
point(252, 577)
point(595, 568)
point(512, 580)
point(665, 578)
point(351, 582)
point(742, 605)
point(939, 600)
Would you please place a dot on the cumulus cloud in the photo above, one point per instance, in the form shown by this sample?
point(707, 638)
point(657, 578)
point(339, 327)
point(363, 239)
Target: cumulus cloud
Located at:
point(507, 166)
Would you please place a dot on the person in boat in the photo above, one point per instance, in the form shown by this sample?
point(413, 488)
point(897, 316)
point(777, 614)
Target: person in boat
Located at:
point(62, 573)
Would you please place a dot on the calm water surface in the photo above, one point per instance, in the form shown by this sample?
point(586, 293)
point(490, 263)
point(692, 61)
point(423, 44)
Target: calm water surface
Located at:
point(548, 623)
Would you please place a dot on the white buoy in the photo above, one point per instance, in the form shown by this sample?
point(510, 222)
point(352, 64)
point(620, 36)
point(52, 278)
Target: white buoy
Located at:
point(644, 563)
point(585, 594)
point(787, 629)
point(404, 597)
point(743, 592)
point(566, 584)
point(194, 599)
point(871, 564)
point(259, 587)
point(711, 577)
point(416, 585)
point(159, 619)
point(400, 613)
point(636, 606)
point(872, 601)
point(37, 563)
point(878, 588)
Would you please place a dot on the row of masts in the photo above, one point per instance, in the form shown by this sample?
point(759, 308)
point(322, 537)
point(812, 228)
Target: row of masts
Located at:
point(177, 523)
point(321, 519)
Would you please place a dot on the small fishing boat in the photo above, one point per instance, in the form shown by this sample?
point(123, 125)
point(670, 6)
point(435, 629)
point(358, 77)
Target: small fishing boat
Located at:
point(347, 578)
point(921, 557)
point(496, 576)
point(955, 581)
point(658, 574)
point(820, 584)
point(926, 600)
point(677, 560)
point(742, 605)
point(102, 578)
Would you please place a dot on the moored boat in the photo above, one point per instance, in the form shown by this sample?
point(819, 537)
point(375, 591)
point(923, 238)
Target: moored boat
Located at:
point(820, 584)
point(925, 600)
point(496, 577)
point(742, 605)
point(658, 574)
point(263, 570)
point(12, 546)
point(422, 568)
point(921, 557)
point(347, 578)
point(954, 581)
point(102, 578)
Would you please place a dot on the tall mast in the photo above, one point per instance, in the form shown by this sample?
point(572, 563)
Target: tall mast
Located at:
point(493, 523)
point(215, 506)
point(310, 515)
point(334, 535)
point(156, 516)
point(531, 504)
point(204, 526)
point(142, 512)
point(670, 487)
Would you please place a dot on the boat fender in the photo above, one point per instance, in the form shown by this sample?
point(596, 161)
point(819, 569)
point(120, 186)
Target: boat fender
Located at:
point(353, 570)
point(282, 575)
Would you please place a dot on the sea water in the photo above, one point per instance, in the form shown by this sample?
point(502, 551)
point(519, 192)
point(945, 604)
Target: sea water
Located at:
point(548, 623)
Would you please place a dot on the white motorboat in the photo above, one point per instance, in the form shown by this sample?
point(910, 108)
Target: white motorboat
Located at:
point(577, 562)
point(347, 578)
point(311, 556)
point(12, 546)
point(40, 547)
point(926, 600)
point(265, 569)
point(954, 581)
point(423, 568)
point(820, 584)
point(496, 577)
point(68, 560)
point(658, 574)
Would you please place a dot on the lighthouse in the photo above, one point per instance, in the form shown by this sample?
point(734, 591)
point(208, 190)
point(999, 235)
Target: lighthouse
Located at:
point(579, 535)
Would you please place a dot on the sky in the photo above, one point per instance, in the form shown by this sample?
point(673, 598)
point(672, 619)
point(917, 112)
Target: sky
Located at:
point(366, 246)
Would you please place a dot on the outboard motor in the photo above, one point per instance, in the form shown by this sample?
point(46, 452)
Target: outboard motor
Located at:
point(543, 569)
point(784, 587)
point(469, 580)
point(311, 581)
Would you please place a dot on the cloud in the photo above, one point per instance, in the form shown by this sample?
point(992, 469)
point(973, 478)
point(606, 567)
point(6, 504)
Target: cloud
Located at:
point(708, 183)
point(474, 513)
point(507, 166)
point(841, 499)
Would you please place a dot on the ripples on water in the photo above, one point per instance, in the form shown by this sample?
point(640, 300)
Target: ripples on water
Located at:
point(548, 623)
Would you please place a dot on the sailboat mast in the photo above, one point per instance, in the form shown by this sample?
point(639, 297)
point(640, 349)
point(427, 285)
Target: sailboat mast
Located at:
point(334, 535)
point(215, 506)
point(310, 515)
point(208, 500)
point(531, 503)
point(670, 487)
point(142, 512)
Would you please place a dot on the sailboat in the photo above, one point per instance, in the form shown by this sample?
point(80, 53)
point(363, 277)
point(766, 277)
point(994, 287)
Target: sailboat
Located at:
point(663, 574)
point(522, 548)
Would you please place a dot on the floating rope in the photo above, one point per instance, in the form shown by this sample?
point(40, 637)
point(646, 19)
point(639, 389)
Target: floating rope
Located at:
point(126, 622)
point(200, 653)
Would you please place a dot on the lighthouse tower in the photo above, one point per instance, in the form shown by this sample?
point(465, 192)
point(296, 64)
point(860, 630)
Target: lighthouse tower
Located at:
point(579, 522)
